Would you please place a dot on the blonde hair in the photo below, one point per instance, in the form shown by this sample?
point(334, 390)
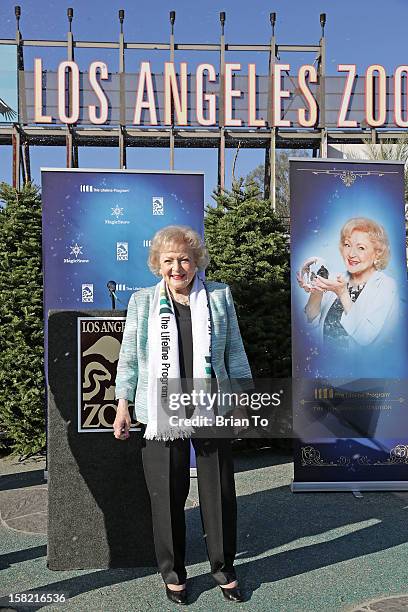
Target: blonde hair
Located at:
point(377, 235)
point(177, 235)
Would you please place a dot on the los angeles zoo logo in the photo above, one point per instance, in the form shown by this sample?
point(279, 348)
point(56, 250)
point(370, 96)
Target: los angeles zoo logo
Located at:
point(99, 345)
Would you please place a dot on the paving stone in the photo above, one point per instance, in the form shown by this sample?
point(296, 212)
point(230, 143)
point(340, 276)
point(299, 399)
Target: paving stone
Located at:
point(25, 509)
point(387, 604)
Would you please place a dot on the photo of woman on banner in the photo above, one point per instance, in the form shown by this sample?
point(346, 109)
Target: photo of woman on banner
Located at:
point(182, 329)
point(355, 311)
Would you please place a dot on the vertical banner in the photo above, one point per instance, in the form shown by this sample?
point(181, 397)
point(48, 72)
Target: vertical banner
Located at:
point(8, 84)
point(349, 325)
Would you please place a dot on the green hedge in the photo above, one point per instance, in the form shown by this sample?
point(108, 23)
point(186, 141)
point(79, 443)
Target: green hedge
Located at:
point(21, 331)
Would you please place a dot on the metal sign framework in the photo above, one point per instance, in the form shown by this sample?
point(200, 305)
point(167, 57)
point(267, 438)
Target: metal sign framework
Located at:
point(22, 135)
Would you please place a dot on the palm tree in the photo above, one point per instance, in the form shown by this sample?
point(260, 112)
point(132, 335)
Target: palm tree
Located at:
point(7, 111)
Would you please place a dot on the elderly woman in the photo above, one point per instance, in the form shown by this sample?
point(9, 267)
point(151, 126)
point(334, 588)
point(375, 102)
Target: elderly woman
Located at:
point(182, 329)
point(358, 310)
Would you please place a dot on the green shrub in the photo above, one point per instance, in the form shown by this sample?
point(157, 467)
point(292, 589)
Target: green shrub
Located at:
point(249, 250)
point(21, 330)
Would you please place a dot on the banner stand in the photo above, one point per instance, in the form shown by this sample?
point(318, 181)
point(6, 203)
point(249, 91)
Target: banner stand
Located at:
point(313, 487)
point(349, 325)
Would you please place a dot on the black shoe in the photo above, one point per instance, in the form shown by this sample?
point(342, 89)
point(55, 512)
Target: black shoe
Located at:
point(177, 597)
point(232, 594)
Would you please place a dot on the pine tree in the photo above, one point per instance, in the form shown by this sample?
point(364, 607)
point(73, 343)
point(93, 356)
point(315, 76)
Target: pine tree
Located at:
point(249, 250)
point(21, 331)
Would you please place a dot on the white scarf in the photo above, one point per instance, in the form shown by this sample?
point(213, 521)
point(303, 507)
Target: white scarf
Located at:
point(164, 367)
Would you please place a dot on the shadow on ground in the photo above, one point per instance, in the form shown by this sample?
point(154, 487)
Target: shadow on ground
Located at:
point(21, 479)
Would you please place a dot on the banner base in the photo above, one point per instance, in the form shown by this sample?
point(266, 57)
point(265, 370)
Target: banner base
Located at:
point(379, 485)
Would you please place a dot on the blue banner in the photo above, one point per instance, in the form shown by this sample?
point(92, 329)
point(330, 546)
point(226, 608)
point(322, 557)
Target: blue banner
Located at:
point(349, 322)
point(97, 227)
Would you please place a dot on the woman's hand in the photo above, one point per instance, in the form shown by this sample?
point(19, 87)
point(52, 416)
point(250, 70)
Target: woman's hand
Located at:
point(121, 424)
point(337, 285)
point(305, 269)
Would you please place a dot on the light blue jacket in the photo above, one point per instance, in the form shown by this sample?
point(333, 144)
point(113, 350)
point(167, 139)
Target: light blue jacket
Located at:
point(228, 357)
point(372, 319)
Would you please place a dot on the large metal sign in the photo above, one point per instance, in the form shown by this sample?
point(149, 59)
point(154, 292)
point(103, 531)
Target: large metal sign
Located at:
point(251, 100)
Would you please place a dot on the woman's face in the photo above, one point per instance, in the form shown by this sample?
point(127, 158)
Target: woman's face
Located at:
point(177, 266)
point(358, 253)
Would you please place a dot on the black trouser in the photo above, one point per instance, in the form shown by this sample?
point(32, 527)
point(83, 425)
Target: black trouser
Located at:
point(167, 472)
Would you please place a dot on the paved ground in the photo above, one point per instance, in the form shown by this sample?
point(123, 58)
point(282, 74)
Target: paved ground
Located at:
point(318, 552)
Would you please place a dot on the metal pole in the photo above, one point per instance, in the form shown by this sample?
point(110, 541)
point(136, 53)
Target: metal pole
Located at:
point(16, 141)
point(22, 110)
point(323, 143)
point(70, 38)
point(221, 110)
point(75, 158)
point(374, 107)
point(267, 173)
point(70, 56)
point(273, 169)
point(122, 96)
point(270, 152)
point(172, 20)
point(69, 156)
point(26, 162)
point(322, 82)
point(23, 164)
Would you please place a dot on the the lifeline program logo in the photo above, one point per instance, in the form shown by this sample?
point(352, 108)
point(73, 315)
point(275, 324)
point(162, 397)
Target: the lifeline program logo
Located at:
point(88, 292)
point(122, 251)
point(92, 189)
point(76, 250)
point(125, 287)
point(116, 213)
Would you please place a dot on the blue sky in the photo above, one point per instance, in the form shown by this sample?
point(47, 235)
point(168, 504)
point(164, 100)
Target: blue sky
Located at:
point(363, 32)
point(8, 58)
